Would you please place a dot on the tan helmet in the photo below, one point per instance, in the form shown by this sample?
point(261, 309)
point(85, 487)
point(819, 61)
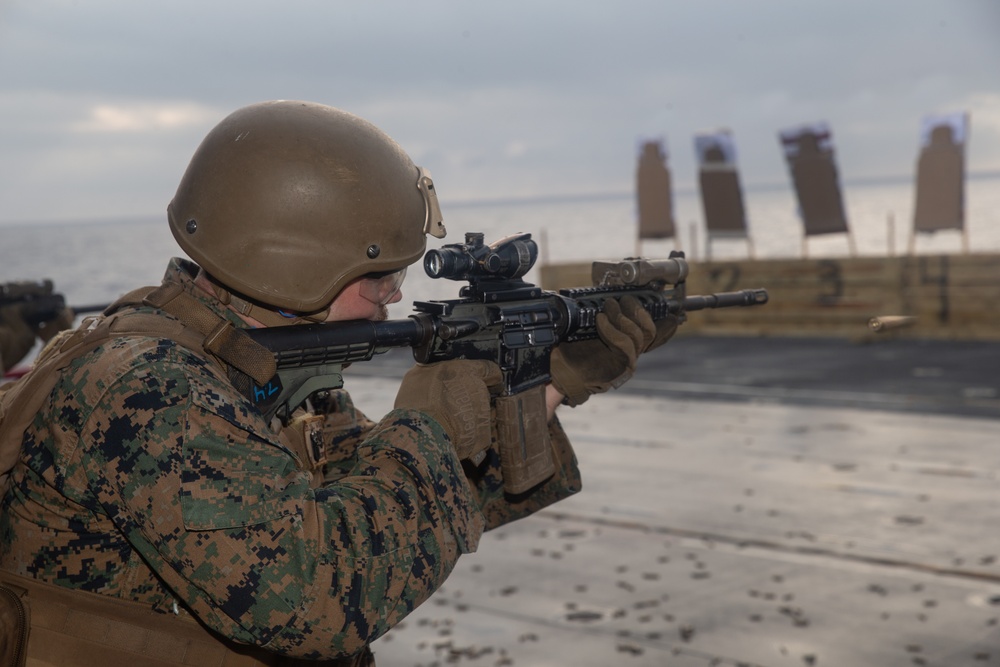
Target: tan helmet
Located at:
point(286, 202)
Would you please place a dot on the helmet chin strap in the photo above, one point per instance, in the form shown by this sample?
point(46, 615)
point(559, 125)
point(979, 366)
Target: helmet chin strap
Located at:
point(265, 315)
point(272, 317)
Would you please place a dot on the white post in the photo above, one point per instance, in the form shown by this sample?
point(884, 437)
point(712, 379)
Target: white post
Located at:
point(891, 233)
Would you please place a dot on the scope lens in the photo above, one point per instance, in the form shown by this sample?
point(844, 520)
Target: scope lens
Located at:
point(434, 264)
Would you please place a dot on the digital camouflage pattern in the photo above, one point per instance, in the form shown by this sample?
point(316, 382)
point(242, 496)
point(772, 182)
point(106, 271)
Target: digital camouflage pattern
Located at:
point(147, 476)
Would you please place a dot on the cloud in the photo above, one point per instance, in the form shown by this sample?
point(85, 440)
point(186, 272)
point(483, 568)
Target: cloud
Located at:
point(101, 155)
point(145, 117)
point(510, 99)
point(515, 149)
point(987, 110)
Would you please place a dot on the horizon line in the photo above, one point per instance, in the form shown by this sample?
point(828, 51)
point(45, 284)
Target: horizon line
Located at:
point(562, 198)
point(690, 189)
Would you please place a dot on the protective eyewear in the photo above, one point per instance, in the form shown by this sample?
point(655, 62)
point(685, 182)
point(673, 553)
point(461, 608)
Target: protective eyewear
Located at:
point(381, 288)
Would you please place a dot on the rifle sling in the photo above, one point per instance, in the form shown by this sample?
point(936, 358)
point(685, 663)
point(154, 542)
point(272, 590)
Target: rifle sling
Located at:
point(222, 339)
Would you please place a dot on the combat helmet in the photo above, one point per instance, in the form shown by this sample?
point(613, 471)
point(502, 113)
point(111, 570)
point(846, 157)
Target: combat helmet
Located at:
point(286, 202)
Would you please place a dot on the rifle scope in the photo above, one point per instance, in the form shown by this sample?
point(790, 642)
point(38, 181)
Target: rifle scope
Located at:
point(509, 258)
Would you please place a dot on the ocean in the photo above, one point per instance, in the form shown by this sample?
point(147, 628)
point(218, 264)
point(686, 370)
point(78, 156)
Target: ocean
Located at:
point(95, 262)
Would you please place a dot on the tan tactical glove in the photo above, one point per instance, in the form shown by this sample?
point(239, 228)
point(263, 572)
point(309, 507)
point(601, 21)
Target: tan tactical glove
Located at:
point(23, 318)
point(456, 394)
point(61, 322)
point(589, 367)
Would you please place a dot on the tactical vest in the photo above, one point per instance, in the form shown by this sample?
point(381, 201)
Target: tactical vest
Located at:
point(46, 625)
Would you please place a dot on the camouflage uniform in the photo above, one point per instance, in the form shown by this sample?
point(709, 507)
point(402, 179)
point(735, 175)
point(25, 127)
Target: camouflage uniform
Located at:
point(146, 476)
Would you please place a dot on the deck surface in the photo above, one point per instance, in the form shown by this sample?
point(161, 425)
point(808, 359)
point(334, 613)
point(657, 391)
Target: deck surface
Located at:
point(779, 511)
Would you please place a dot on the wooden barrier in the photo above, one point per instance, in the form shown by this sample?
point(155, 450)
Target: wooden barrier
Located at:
point(939, 296)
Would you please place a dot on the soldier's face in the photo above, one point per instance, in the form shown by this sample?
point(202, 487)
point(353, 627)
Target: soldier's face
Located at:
point(366, 298)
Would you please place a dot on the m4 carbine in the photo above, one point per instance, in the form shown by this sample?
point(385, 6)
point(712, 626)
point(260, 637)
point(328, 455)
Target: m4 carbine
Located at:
point(498, 317)
point(38, 302)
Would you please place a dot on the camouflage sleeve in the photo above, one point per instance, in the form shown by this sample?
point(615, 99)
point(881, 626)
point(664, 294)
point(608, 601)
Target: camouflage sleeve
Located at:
point(500, 508)
point(344, 429)
point(220, 510)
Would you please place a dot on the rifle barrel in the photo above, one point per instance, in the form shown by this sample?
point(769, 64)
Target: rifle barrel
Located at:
point(90, 308)
point(746, 297)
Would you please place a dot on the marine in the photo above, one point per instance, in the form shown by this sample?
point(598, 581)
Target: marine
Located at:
point(153, 516)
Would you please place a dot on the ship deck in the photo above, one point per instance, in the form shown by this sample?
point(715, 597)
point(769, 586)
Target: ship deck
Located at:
point(746, 502)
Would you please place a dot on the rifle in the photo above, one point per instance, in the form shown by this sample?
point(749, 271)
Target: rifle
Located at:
point(39, 302)
point(498, 317)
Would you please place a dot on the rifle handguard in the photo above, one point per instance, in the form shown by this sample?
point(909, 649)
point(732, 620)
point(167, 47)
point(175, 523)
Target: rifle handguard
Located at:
point(583, 368)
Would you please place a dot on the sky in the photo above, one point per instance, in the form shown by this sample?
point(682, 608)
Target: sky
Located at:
point(103, 102)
